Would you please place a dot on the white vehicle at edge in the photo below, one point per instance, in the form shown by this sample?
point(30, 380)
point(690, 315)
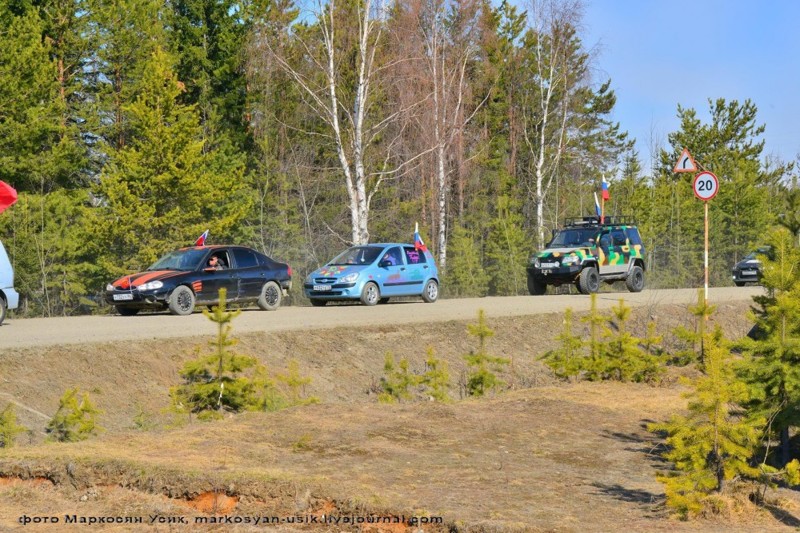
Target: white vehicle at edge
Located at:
point(9, 299)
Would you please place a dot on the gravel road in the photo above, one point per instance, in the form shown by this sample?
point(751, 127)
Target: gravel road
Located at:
point(36, 332)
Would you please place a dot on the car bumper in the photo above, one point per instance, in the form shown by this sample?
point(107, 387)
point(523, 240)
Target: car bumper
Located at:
point(554, 276)
point(141, 300)
point(12, 298)
point(746, 276)
point(338, 291)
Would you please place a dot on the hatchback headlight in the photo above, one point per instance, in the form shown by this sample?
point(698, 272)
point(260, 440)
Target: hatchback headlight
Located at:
point(350, 278)
point(151, 286)
point(571, 260)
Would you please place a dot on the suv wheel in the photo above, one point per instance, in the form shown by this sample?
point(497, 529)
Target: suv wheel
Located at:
point(536, 288)
point(635, 279)
point(589, 280)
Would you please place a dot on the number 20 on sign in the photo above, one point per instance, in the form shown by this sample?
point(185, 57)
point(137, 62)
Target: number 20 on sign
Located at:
point(705, 185)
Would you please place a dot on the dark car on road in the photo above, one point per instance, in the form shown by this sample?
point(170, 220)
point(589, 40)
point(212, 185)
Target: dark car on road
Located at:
point(185, 278)
point(748, 270)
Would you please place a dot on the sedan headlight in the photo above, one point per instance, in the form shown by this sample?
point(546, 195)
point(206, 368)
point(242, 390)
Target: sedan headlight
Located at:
point(151, 286)
point(109, 287)
point(570, 260)
point(350, 278)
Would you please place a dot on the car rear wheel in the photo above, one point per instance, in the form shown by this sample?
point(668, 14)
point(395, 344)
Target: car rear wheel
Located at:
point(431, 292)
point(127, 311)
point(589, 280)
point(270, 298)
point(3, 309)
point(635, 279)
point(536, 288)
point(318, 303)
point(371, 294)
point(181, 301)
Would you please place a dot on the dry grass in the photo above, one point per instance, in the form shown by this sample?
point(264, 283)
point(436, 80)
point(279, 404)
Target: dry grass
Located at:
point(545, 457)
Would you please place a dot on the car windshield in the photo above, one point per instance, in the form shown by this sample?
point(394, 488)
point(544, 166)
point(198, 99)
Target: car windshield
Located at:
point(358, 255)
point(573, 237)
point(750, 256)
point(180, 260)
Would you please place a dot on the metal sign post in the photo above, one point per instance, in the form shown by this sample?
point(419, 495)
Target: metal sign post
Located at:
point(706, 187)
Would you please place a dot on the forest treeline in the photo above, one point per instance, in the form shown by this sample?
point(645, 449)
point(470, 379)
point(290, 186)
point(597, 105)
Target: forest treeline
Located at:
point(131, 126)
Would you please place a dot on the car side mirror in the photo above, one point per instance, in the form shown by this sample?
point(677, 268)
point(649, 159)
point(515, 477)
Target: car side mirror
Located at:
point(384, 264)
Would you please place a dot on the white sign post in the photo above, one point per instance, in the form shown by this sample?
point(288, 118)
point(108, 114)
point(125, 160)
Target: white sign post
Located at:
point(706, 187)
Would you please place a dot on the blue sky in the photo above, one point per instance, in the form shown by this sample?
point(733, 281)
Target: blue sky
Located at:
point(659, 54)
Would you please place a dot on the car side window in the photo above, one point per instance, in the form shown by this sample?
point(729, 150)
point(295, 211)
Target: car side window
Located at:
point(605, 239)
point(414, 257)
point(245, 258)
point(618, 238)
point(392, 256)
point(633, 237)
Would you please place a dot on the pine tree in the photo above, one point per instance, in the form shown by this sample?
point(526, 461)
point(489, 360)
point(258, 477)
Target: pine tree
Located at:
point(693, 340)
point(163, 188)
point(772, 365)
point(711, 445)
point(465, 275)
point(398, 380)
point(9, 428)
point(623, 360)
point(214, 383)
point(481, 378)
point(506, 250)
point(568, 360)
point(436, 379)
point(75, 419)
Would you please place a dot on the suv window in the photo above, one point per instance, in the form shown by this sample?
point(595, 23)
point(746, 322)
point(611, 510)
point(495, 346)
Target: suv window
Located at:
point(618, 238)
point(633, 236)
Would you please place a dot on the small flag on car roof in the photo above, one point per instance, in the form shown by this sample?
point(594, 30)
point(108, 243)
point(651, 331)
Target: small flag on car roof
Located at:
point(418, 244)
point(201, 240)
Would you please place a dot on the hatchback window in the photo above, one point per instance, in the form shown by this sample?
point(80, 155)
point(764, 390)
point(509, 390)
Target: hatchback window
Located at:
point(244, 258)
point(357, 255)
point(413, 256)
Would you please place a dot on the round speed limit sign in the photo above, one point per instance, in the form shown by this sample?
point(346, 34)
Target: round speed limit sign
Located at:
point(706, 186)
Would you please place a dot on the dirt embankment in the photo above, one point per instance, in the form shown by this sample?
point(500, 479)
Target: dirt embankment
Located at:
point(545, 456)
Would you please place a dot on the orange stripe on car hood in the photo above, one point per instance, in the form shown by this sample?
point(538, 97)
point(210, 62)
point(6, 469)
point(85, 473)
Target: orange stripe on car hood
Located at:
point(142, 278)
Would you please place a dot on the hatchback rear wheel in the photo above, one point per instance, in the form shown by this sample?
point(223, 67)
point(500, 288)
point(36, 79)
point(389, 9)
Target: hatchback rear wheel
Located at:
point(431, 292)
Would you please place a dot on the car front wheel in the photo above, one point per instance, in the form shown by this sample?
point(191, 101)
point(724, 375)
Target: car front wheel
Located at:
point(635, 279)
point(431, 292)
point(181, 301)
point(371, 294)
point(536, 288)
point(589, 280)
point(270, 298)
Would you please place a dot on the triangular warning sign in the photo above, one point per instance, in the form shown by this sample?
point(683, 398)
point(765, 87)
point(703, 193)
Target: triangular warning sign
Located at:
point(685, 162)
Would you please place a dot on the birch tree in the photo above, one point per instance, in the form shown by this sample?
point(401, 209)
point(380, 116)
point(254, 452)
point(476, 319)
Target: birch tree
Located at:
point(342, 100)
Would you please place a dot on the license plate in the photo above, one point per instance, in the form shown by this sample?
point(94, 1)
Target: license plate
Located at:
point(319, 288)
point(549, 265)
point(119, 297)
point(748, 272)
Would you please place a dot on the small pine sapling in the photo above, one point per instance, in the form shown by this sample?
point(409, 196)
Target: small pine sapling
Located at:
point(693, 340)
point(397, 381)
point(566, 361)
point(213, 383)
point(624, 359)
point(436, 378)
point(75, 419)
point(295, 383)
point(9, 428)
point(481, 377)
point(711, 444)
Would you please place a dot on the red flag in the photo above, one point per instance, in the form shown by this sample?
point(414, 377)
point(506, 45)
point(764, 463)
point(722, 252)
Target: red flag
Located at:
point(201, 240)
point(7, 196)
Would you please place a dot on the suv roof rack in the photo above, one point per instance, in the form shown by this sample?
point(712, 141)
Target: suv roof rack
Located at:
point(618, 220)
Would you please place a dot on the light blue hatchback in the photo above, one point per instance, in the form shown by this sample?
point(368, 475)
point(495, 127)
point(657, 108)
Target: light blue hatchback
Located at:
point(373, 273)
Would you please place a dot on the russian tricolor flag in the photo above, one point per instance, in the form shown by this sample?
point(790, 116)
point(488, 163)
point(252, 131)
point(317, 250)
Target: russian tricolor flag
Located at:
point(418, 244)
point(201, 240)
point(605, 193)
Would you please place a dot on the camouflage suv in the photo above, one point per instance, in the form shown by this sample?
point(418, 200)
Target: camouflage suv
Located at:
point(586, 252)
